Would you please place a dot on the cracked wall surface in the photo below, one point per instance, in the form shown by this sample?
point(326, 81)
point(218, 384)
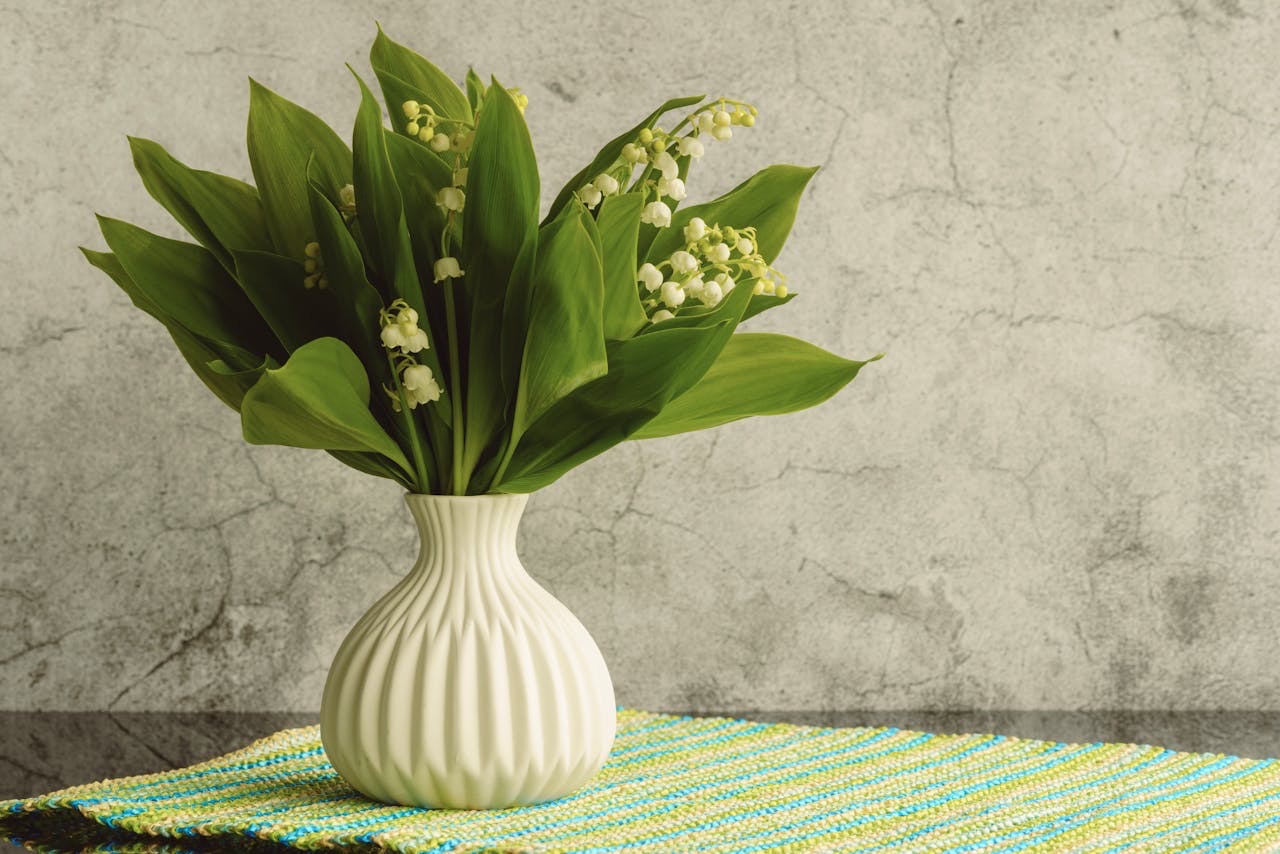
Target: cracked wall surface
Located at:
point(1059, 490)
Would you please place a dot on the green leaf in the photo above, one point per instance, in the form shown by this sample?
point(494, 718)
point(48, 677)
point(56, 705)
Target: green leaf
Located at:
point(612, 150)
point(318, 399)
point(273, 284)
point(188, 287)
point(475, 90)
point(618, 224)
point(645, 374)
point(220, 212)
point(499, 221)
point(433, 86)
point(283, 138)
point(420, 174)
point(764, 302)
point(767, 200)
point(758, 373)
point(564, 347)
point(344, 268)
point(373, 464)
point(197, 353)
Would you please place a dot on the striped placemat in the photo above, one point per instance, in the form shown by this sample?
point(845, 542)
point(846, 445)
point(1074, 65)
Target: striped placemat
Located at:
point(716, 784)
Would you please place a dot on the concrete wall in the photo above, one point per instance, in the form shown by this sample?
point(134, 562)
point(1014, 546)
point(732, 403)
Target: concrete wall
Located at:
point(1060, 490)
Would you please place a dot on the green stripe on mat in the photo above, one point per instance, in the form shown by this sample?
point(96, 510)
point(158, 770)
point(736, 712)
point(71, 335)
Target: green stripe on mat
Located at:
point(715, 784)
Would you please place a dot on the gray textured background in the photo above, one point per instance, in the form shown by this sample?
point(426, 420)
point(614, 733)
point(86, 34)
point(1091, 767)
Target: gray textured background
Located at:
point(1059, 490)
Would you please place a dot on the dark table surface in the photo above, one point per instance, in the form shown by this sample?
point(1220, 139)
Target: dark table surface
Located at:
point(43, 751)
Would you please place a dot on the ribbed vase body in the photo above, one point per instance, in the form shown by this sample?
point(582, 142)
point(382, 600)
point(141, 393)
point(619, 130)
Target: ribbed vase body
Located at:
point(468, 685)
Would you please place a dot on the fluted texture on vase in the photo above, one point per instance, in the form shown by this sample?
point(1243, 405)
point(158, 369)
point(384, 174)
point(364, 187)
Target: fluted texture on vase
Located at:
point(468, 685)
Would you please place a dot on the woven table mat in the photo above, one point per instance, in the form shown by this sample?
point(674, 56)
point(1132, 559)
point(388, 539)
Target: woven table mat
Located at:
point(716, 784)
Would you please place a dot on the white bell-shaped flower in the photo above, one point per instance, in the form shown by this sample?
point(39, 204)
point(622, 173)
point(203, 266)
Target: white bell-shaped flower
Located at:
point(721, 132)
point(726, 283)
point(392, 337)
point(650, 276)
point(440, 142)
point(745, 246)
point(606, 184)
point(447, 268)
point(661, 315)
point(711, 293)
point(451, 198)
point(656, 213)
point(683, 262)
point(672, 187)
point(415, 342)
point(421, 385)
point(633, 153)
point(690, 146)
point(589, 196)
point(672, 294)
point(718, 253)
point(694, 286)
point(666, 164)
point(694, 230)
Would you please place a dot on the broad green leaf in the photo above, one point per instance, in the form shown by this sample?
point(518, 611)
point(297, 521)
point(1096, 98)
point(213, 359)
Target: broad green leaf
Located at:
point(564, 344)
point(317, 399)
point(390, 58)
point(220, 212)
point(764, 302)
point(274, 285)
point(758, 373)
point(612, 150)
point(197, 353)
point(374, 464)
point(344, 268)
point(767, 200)
point(420, 174)
point(475, 90)
point(499, 220)
point(283, 138)
point(618, 224)
point(645, 374)
point(186, 283)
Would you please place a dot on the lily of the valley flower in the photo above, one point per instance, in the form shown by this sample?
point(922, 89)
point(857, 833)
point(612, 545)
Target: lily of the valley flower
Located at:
point(690, 146)
point(451, 199)
point(672, 187)
point(606, 184)
point(683, 262)
point(666, 164)
point(649, 276)
point(420, 385)
point(656, 213)
point(447, 268)
point(672, 294)
point(313, 266)
point(590, 196)
point(347, 199)
point(661, 315)
point(695, 230)
point(400, 330)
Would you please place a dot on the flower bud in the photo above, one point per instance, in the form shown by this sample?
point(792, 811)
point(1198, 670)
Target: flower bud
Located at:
point(721, 132)
point(411, 109)
point(781, 290)
point(411, 128)
point(646, 136)
point(745, 246)
point(695, 230)
point(748, 121)
point(311, 250)
point(650, 276)
point(758, 288)
point(440, 142)
point(425, 135)
point(721, 118)
point(309, 265)
point(347, 196)
point(632, 153)
point(672, 294)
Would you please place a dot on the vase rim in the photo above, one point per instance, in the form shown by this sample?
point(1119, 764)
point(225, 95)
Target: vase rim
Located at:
point(412, 497)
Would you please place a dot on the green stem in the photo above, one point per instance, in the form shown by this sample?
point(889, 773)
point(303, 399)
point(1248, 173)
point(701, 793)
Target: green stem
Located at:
point(455, 388)
point(411, 424)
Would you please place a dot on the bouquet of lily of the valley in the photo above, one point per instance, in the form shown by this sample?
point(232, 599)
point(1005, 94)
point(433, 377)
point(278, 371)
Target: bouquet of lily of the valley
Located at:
point(399, 304)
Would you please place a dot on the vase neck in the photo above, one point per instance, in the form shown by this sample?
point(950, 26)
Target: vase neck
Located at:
point(475, 534)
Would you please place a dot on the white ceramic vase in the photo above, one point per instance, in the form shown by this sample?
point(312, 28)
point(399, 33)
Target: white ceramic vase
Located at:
point(468, 685)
